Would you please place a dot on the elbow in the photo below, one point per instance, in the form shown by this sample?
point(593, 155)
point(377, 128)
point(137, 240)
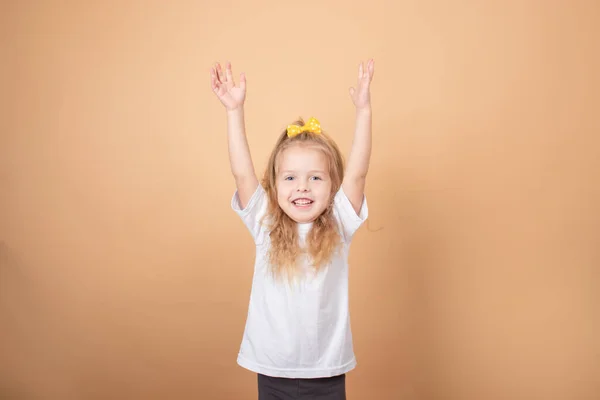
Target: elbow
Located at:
point(241, 174)
point(356, 179)
point(356, 174)
point(243, 178)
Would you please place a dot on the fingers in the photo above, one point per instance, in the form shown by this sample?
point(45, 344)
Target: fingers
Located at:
point(214, 80)
point(366, 72)
point(229, 76)
point(224, 77)
point(220, 75)
point(371, 68)
point(243, 81)
point(365, 75)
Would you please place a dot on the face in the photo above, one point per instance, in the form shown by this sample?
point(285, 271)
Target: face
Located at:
point(303, 183)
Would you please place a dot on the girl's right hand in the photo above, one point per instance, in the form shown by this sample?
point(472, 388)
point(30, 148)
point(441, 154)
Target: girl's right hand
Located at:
point(231, 96)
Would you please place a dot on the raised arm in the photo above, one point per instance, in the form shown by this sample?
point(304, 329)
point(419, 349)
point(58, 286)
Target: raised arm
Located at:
point(240, 160)
point(360, 153)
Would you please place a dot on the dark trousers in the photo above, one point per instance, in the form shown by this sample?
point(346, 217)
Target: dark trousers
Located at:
point(271, 388)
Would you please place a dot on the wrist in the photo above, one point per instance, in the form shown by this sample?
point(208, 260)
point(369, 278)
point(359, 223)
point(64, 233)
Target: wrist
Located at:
point(235, 111)
point(364, 110)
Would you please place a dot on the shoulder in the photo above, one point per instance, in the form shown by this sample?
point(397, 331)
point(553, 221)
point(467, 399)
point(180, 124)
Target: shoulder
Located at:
point(254, 213)
point(348, 220)
point(257, 198)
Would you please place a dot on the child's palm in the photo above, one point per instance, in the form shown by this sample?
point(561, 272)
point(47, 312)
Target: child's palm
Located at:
point(231, 98)
point(361, 95)
point(229, 94)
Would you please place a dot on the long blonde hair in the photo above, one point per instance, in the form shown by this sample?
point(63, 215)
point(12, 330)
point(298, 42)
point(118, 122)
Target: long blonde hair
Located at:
point(323, 239)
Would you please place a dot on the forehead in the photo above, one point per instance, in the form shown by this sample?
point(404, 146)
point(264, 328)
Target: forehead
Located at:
point(302, 158)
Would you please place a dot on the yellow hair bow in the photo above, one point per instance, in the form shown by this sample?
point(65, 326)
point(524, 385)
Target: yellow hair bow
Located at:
point(311, 126)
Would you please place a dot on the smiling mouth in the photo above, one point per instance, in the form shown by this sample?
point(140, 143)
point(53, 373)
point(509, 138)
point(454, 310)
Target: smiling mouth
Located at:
point(302, 202)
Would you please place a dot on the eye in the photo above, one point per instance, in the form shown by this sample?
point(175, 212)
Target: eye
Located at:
point(288, 178)
point(318, 178)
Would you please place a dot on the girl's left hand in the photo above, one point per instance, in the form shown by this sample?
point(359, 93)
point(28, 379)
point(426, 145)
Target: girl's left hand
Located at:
point(361, 95)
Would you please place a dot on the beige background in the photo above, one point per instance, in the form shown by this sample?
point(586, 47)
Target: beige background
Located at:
point(125, 275)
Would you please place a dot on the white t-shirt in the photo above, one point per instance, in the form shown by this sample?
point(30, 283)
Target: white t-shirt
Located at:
point(300, 330)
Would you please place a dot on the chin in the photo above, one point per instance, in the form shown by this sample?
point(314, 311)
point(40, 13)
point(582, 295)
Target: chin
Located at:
point(303, 219)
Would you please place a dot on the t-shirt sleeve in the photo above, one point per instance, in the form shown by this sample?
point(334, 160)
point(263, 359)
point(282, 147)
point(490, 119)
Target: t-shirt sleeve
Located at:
point(348, 220)
point(252, 214)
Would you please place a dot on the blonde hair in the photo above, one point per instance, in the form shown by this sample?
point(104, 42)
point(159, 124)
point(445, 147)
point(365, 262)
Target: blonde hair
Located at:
point(323, 239)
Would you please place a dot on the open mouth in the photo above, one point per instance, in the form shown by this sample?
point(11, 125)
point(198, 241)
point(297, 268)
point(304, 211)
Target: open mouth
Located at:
point(302, 203)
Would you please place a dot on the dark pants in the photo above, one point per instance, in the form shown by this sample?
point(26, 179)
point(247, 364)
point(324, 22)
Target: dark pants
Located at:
point(270, 388)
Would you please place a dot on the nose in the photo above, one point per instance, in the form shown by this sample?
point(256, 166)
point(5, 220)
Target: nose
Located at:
point(302, 185)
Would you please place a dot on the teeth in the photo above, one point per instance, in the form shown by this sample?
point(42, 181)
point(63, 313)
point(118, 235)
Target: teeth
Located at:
point(302, 202)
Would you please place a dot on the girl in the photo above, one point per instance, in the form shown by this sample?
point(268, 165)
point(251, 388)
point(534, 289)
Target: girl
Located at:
point(302, 217)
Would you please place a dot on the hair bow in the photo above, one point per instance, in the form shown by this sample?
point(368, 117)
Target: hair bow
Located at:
point(312, 126)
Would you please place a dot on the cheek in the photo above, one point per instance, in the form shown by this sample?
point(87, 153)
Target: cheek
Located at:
point(325, 192)
point(282, 191)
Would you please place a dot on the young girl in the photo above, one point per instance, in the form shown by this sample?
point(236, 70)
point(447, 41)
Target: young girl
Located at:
point(302, 217)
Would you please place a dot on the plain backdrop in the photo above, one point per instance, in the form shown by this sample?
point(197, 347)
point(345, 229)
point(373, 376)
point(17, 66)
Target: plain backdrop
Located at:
point(124, 274)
